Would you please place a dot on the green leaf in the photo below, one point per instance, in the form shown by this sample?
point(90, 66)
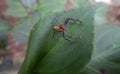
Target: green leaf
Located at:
point(21, 31)
point(15, 8)
point(106, 55)
point(48, 7)
point(82, 3)
point(4, 25)
point(32, 4)
point(48, 55)
point(100, 15)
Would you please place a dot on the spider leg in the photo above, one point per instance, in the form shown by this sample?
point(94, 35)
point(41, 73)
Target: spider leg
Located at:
point(65, 37)
point(55, 20)
point(68, 19)
point(79, 21)
point(54, 33)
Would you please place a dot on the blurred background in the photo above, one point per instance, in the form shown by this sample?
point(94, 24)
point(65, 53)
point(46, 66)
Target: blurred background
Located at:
point(17, 17)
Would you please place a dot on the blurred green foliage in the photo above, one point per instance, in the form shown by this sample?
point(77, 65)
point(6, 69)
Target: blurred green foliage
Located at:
point(105, 57)
point(4, 28)
point(82, 3)
point(15, 8)
point(4, 25)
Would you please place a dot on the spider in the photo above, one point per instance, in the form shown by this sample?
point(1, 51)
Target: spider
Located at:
point(62, 27)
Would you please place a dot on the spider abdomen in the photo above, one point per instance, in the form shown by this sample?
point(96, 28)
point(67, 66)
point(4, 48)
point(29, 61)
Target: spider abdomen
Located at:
point(59, 27)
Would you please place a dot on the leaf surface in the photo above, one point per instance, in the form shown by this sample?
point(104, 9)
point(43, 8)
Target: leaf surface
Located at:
point(48, 55)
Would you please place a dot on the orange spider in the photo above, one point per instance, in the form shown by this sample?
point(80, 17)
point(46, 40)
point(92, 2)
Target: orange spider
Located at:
point(61, 27)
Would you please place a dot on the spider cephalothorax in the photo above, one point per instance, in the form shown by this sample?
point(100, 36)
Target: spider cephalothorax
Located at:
point(61, 27)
